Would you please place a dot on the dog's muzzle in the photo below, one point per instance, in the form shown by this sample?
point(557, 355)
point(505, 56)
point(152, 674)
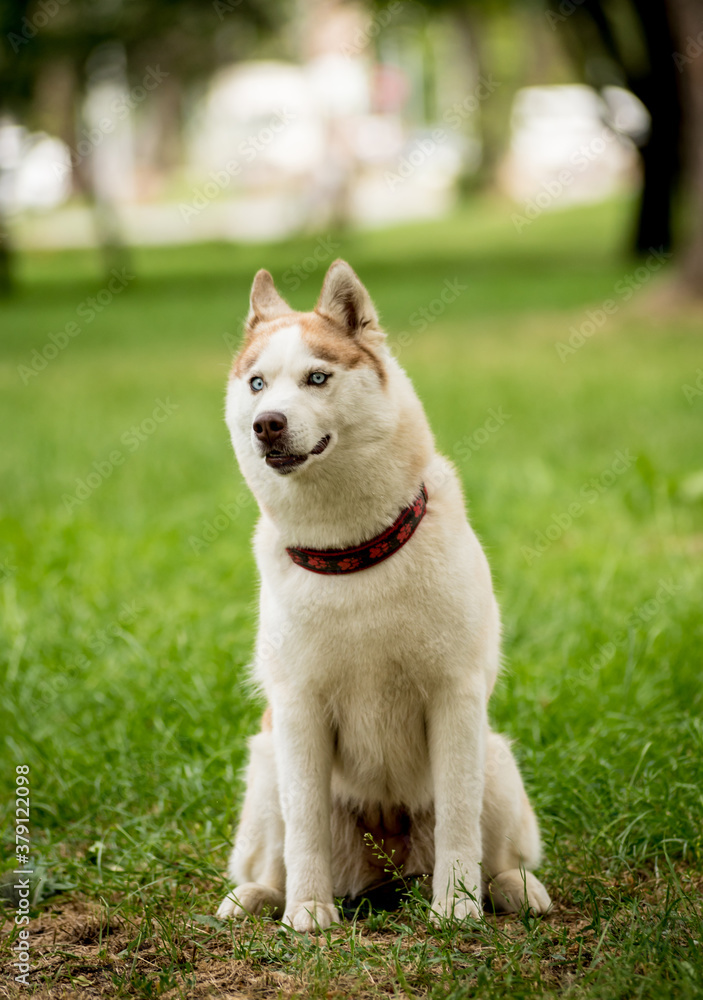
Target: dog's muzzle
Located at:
point(271, 431)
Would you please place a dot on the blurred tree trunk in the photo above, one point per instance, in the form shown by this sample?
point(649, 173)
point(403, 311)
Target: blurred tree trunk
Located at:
point(632, 44)
point(160, 141)
point(658, 89)
point(106, 222)
point(6, 258)
point(470, 21)
point(469, 37)
point(687, 19)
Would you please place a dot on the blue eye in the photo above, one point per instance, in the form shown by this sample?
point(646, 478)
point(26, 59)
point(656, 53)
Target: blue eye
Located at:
point(317, 378)
point(256, 383)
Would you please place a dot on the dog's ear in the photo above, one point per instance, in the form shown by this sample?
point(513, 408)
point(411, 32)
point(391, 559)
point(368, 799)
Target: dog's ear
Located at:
point(265, 303)
point(345, 300)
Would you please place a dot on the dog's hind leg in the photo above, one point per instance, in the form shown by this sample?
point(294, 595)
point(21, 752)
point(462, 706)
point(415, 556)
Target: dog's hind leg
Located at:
point(510, 835)
point(256, 864)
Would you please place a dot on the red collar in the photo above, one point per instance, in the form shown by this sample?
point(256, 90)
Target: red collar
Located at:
point(336, 562)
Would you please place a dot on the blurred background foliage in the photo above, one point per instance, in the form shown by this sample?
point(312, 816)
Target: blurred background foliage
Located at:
point(119, 118)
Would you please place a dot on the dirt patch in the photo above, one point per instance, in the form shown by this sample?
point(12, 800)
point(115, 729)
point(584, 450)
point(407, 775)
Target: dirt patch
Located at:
point(83, 949)
point(77, 950)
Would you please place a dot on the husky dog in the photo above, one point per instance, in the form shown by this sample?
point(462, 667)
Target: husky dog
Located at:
point(378, 642)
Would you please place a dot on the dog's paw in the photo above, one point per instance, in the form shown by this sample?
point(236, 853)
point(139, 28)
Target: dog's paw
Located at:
point(251, 900)
point(454, 908)
point(311, 916)
point(515, 890)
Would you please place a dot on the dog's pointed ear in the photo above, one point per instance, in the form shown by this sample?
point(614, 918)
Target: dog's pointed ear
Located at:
point(345, 300)
point(265, 303)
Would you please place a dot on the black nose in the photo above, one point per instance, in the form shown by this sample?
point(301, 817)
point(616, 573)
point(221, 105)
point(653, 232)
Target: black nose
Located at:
point(269, 427)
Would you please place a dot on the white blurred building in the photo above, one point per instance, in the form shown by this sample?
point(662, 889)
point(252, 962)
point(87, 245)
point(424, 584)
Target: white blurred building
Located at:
point(344, 136)
point(307, 145)
point(35, 170)
point(571, 140)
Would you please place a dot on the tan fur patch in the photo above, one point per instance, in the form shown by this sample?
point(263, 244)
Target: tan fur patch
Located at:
point(329, 342)
point(322, 335)
point(267, 720)
point(256, 336)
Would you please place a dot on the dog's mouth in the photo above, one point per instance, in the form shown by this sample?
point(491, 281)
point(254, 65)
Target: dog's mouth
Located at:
point(321, 445)
point(283, 461)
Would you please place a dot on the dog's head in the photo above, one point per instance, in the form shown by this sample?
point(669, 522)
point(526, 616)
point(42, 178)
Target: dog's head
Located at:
point(308, 390)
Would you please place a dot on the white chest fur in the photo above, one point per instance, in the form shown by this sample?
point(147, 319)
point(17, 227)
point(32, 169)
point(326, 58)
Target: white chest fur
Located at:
point(373, 646)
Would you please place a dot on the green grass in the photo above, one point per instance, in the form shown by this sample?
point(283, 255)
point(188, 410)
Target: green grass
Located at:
point(127, 619)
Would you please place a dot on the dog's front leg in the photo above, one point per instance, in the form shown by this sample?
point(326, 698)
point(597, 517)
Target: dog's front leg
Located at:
point(456, 736)
point(304, 749)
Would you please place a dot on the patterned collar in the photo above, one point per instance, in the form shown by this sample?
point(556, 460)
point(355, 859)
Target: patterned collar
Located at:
point(337, 562)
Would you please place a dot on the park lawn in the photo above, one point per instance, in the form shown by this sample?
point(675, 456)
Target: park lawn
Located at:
point(128, 595)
